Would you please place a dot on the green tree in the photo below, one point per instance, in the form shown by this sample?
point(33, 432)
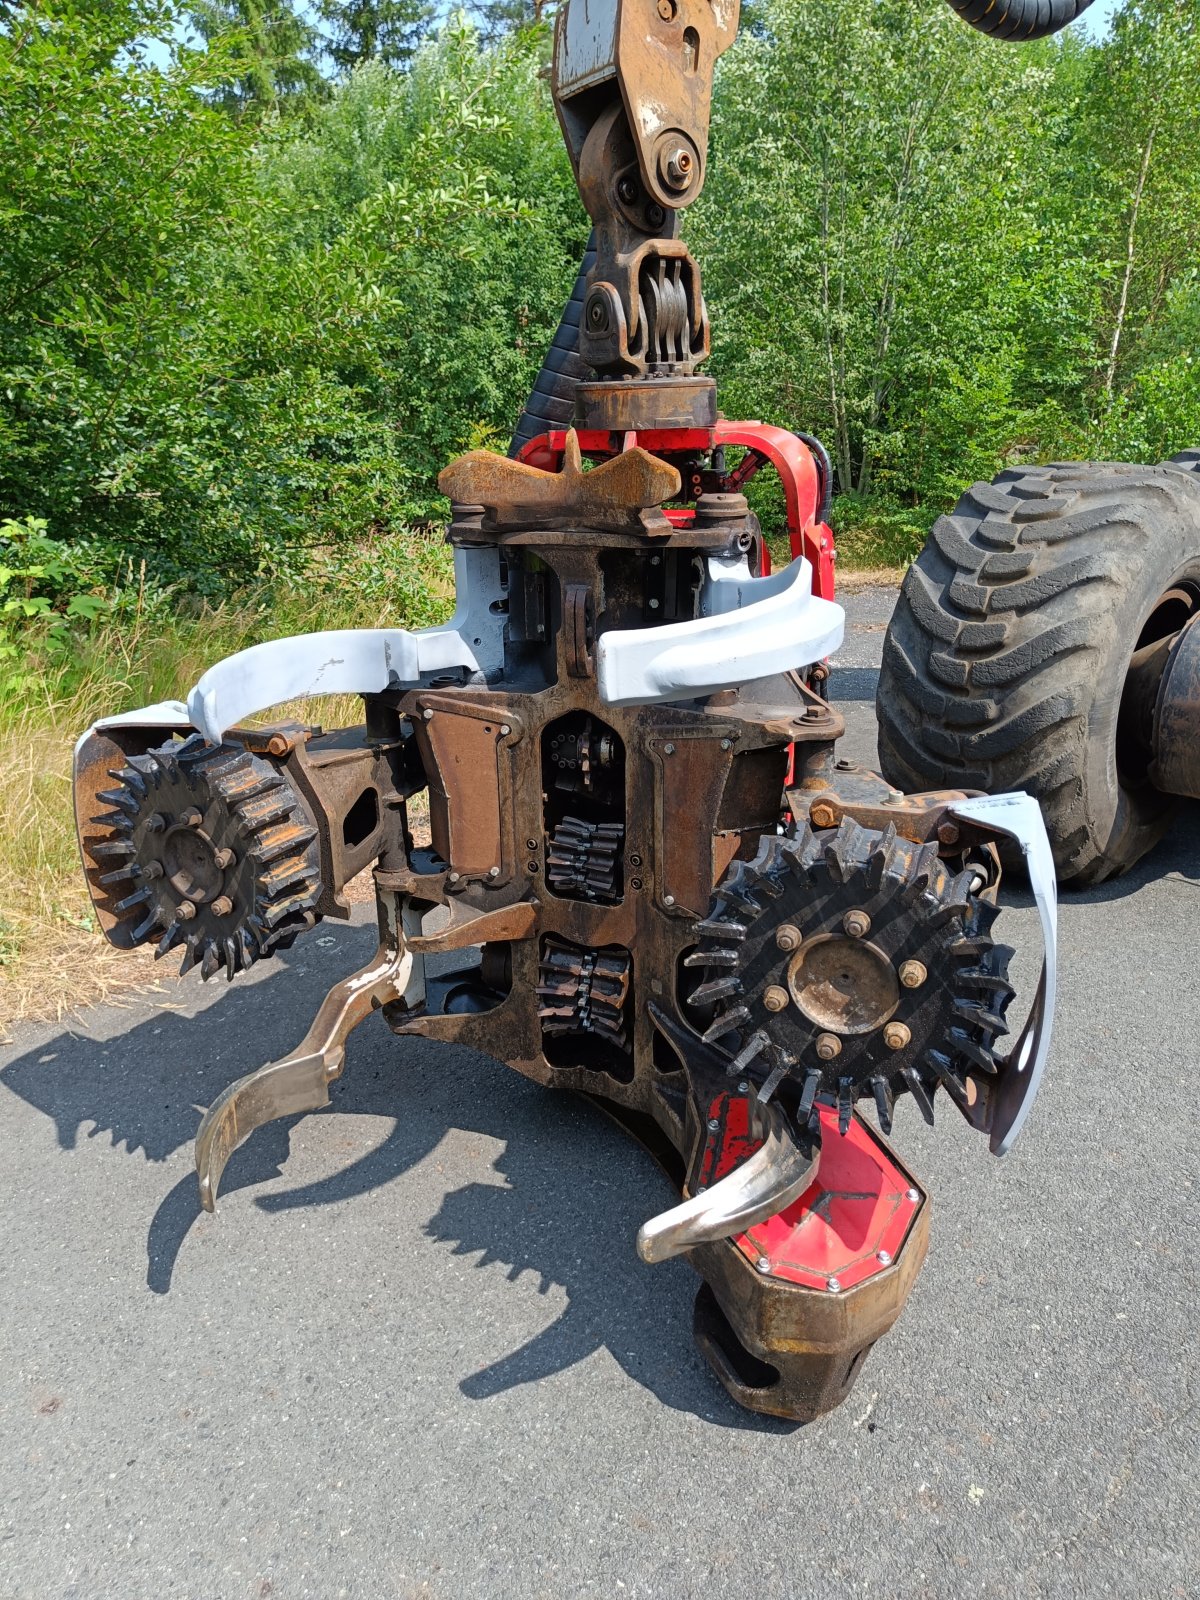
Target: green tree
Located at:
point(374, 30)
point(271, 50)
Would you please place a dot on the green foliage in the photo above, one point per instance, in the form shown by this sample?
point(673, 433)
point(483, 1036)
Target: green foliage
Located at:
point(374, 30)
point(247, 314)
point(270, 49)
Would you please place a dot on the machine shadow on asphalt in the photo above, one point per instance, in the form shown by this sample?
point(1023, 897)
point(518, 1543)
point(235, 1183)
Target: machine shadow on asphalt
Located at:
point(574, 1187)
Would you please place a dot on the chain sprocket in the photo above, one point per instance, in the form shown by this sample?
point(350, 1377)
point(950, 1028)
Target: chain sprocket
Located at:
point(847, 963)
point(217, 851)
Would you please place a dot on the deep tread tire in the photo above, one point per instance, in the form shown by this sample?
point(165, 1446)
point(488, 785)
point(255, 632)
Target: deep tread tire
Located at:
point(1005, 659)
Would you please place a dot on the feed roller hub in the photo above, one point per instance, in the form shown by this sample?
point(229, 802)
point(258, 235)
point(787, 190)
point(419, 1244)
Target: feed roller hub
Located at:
point(840, 1018)
point(216, 850)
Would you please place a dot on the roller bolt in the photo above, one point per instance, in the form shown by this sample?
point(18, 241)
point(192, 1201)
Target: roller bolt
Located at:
point(224, 858)
point(156, 822)
point(222, 906)
point(185, 911)
point(788, 937)
point(152, 869)
point(829, 1046)
point(912, 974)
point(857, 924)
point(775, 998)
point(896, 1036)
point(192, 818)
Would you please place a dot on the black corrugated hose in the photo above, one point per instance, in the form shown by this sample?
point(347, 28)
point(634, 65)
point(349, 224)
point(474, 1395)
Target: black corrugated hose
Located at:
point(1019, 19)
point(552, 402)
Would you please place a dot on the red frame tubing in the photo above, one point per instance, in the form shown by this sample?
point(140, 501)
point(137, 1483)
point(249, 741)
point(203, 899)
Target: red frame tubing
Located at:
point(764, 445)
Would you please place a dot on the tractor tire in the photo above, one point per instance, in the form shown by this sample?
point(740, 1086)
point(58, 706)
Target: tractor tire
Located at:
point(1006, 659)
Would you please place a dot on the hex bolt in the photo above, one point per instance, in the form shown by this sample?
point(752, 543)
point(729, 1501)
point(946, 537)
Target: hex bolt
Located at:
point(156, 822)
point(655, 216)
point(788, 937)
point(833, 1285)
point(222, 906)
point(277, 744)
point(224, 858)
point(714, 1124)
point(947, 833)
point(185, 911)
point(679, 168)
point(822, 816)
point(912, 974)
point(192, 818)
point(775, 998)
point(857, 924)
point(763, 1263)
point(912, 1195)
point(884, 1257)
point(152, 869)
point(626, 188)
point(829, 1046)
point(896, 1036)
point(743, 1087)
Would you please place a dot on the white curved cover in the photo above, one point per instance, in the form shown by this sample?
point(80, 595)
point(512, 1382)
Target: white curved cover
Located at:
point(761, 626)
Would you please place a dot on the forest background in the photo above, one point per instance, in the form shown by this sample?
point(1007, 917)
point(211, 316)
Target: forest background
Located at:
point(263, 271)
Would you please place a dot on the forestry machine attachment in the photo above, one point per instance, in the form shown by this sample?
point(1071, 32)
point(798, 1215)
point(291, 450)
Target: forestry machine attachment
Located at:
point(649, 880)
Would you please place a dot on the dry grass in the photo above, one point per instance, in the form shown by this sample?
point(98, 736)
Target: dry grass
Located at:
point(53, 961)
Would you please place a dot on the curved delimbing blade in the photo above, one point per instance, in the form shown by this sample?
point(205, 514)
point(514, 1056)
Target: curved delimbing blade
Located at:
point(296, 1083)
point(775, 1175)
point(300, 1081)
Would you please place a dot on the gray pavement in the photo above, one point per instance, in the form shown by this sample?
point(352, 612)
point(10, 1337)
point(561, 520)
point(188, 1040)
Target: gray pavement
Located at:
point(415, 1355)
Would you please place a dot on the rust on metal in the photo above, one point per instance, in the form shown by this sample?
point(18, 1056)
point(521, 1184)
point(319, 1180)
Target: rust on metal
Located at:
point(623, 493)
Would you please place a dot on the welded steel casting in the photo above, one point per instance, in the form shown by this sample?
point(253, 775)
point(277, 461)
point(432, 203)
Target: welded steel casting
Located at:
point(649, 878)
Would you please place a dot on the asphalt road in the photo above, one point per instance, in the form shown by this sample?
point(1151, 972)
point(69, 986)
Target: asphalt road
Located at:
point(415, 1355)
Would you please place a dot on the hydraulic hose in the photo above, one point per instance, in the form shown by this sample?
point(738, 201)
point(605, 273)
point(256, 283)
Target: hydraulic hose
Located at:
point(1019, 19)
point(552, 401)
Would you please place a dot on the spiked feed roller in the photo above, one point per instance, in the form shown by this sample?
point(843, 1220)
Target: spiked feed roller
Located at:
point(211, 851)
point(648, 877)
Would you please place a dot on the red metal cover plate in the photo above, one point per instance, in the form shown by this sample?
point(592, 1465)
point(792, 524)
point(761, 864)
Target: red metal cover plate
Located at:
point(860, 1206)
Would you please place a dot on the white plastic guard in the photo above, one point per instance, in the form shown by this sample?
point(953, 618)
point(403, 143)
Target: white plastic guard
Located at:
point(1020, 817)
point(760, 626)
